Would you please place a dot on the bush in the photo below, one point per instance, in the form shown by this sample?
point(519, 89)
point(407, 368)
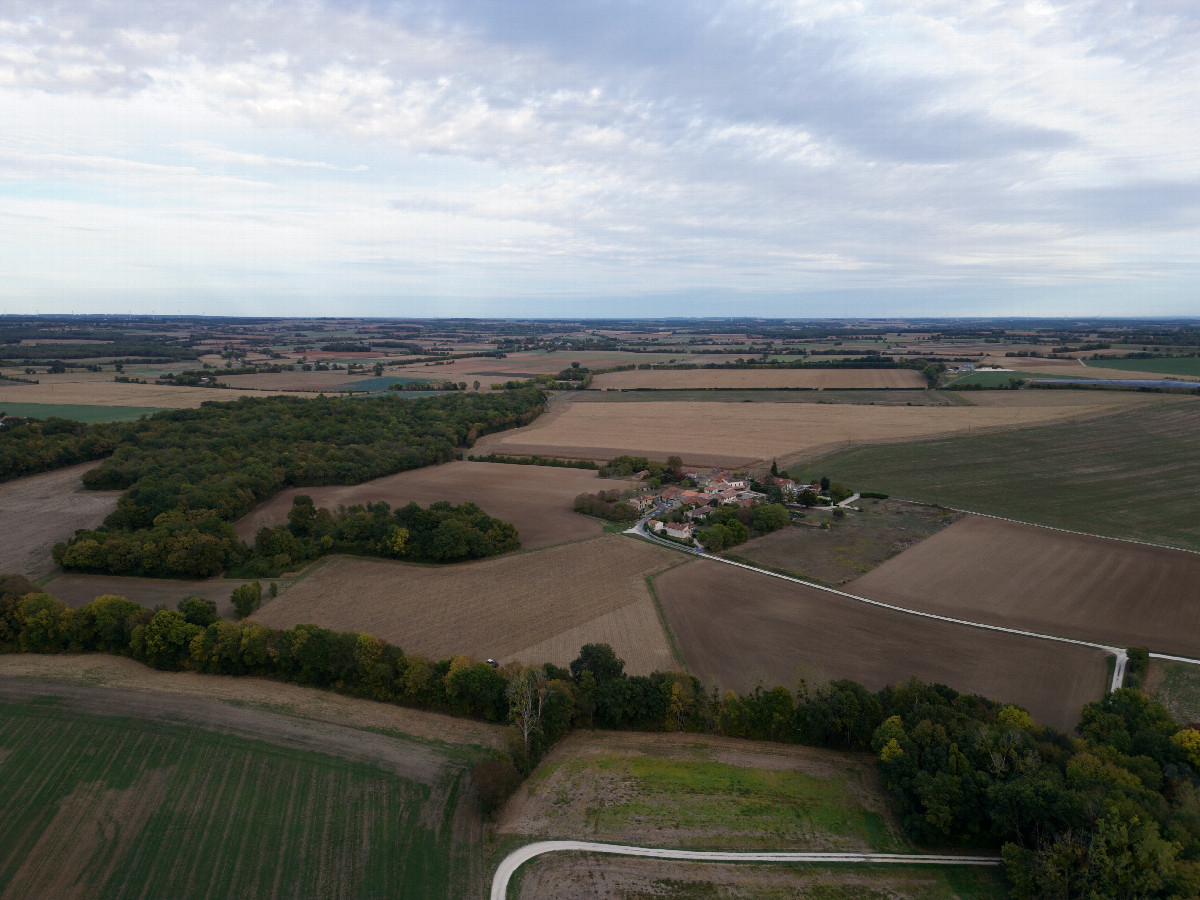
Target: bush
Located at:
point(495, 781)
point(246, 599)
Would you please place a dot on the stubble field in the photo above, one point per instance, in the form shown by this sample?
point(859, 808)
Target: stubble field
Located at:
point(77, 589)
point(537, 499)
point(737, 434)
point(814, 379)
point(736, 627)
point(79, 391)
point(508, 608)
point(41, 510)
point(1035, 579)
point(133, 805)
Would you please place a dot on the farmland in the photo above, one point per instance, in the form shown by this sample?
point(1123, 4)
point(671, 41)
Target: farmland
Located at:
point(711, 792)
point(813, 379)
point(737, 434)
point(737, 627)
point(502, 608)
point(1051, 582)
point(232, 803)
point(862, 397)
point(48, 507)
point(74, 391)
point(848, 547)
point(76, 590)
point(1130, 474)
point(1181, 366)
point(536, 499)
point(87, 414)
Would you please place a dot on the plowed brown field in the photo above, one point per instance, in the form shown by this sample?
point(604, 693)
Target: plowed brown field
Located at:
point(1036, 579)
point(537, 499)
point(40, 510)
point(736, 434)
point(817, 379)
point(492, 608)
point(736, 627)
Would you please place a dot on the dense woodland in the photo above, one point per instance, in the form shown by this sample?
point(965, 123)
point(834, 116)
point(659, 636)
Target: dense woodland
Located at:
point(189, 474)
point(28, 447)
point(1111, 812)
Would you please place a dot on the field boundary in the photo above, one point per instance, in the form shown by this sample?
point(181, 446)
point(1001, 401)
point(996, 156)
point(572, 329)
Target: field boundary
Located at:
point(1119, 652)
point(509, 865)
point(1102, 537)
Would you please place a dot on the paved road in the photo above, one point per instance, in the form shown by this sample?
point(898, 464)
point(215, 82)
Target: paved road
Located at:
point(514, 860)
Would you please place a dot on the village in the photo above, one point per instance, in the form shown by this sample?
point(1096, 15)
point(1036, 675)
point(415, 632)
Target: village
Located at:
point(677, 511)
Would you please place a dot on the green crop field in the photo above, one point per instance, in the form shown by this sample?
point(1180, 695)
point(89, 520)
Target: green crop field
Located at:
point(1129, 475)
point(104, 807)
point(994, 379)
point(1178, 365)
point(88, 414)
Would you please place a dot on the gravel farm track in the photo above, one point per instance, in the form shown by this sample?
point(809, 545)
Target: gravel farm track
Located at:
point(1053, 582)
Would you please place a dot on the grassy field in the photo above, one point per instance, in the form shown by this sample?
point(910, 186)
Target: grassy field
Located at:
point(1176, 686)
point(709, 792)
point(993, 379)
point(105, 806)
point(850, 546)
point(1179, 365)
point(1130, 475)
point(87, 414)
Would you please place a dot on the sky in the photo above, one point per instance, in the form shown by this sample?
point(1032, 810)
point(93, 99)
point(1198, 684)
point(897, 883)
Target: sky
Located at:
point(593, 158)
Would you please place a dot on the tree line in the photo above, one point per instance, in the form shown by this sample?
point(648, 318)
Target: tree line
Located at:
point(442, 533)
point(187, 475)
point(1111, 812)
point(29, 446)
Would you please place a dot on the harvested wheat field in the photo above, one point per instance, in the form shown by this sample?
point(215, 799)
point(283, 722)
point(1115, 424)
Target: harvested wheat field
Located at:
point(537, 499)
point(114, 393)
point(1037, 579)
point(815, 379)
point(736, 627)
point(76, 590)
point(496, 608)
point(736, 434)
point(41, 510)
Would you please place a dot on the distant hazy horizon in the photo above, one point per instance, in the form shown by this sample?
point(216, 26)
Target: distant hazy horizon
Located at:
point(460, 158)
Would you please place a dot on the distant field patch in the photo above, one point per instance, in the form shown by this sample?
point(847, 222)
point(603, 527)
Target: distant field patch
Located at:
point(850, 546)
point(744, 395)
point(89, 414)
point(816, 379)
point(112, 393)
point(100, 806)
point(497, 608)
point(738, 627)
point(1051, 582)
point(1131, 474)
point(537, 499)
point(1186, 366)
point(76, 590)
point(742, 433)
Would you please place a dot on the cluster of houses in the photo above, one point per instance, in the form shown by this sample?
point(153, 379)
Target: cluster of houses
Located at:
point(715, 487)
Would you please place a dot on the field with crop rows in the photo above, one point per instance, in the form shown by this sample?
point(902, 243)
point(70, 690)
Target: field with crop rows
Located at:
point(103, 806)
point(815, 379)
point(503, 607)
point(1179, 366)
point(737, 627)
point(1129, 475)
point(1051, 582)
point(736, 434)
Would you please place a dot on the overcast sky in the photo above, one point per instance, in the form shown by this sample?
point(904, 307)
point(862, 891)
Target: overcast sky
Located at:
point(586, 158)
